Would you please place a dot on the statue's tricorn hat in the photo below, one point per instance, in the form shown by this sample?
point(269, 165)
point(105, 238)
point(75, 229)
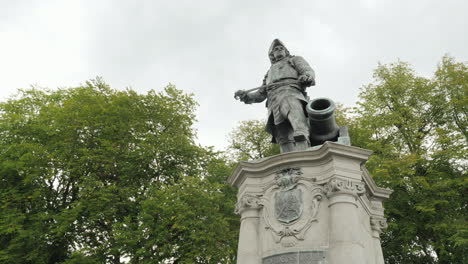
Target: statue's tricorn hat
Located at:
point(276, 42)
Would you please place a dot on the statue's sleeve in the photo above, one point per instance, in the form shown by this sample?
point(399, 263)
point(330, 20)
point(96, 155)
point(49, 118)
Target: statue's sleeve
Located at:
point(258, 96)
point(302, 67)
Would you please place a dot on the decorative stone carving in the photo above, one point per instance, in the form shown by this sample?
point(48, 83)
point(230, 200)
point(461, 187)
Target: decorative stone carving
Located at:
point(337, 185)
point(292, 219)
point(342, 212)
point(378, 224)
point(248, 201)
point(297, 230)
point(288, 200)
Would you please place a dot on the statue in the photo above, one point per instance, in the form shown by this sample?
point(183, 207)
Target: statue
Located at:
point(284, 88)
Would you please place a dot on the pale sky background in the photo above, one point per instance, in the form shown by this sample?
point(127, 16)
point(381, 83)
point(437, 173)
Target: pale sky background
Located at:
point(213, 48)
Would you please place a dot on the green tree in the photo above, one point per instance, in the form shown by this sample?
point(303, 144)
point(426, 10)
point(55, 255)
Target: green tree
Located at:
point(192, 221)
point(249, 141)
point(417, 128)
point(82, 168)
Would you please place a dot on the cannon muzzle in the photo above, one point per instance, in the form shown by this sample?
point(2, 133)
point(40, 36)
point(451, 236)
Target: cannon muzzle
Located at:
point(323, 126)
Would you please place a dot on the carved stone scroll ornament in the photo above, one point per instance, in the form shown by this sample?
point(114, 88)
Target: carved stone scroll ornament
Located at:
point(336, 186)
point(248, 201)
point(378, 224)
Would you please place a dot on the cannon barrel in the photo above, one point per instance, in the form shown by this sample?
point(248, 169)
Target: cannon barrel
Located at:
point(322, 122)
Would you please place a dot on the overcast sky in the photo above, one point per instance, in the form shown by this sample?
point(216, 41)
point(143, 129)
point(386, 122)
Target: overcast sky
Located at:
point(213, 48)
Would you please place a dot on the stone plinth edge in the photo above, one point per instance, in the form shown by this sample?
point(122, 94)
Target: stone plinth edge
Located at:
point(326, 151)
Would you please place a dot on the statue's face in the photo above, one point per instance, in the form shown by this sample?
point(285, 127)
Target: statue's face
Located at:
point(279, 52)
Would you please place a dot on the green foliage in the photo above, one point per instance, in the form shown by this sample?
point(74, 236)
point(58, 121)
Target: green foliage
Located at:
point(82, 168)
point(78, 257)
point(169, 218)
point(249, 141)
point(417, 128)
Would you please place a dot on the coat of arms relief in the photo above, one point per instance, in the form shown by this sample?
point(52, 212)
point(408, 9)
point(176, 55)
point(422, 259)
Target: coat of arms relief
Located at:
point(291, 205)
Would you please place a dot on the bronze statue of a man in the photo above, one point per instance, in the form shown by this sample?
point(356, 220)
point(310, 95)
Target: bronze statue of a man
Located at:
point(284, 88)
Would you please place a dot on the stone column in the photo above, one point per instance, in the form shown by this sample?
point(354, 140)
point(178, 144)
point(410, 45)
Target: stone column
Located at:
point(345, 234)
point(377, 224)
point(248, 207)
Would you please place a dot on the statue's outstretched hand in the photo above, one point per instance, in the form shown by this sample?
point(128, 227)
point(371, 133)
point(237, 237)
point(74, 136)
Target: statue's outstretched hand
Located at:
point(241, 95)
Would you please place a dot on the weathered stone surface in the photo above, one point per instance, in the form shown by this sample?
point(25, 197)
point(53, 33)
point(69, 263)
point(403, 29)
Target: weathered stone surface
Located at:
point(312, 257)
point(320, 200)
point(301, 257)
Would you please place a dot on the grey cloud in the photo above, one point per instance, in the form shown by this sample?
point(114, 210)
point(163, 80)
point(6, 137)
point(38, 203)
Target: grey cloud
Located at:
point(213, 48)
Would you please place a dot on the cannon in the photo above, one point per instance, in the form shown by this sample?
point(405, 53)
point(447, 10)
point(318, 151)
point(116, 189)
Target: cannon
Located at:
point(323, 125)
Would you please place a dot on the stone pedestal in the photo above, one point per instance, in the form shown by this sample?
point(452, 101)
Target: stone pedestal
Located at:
point(314, 206)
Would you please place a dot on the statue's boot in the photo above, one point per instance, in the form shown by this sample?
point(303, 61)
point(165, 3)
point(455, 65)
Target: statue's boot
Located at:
point(287, 147)
point(301, 145)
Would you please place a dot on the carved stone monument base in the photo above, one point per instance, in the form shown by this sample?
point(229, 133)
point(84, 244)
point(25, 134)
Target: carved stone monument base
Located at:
point(314, 206)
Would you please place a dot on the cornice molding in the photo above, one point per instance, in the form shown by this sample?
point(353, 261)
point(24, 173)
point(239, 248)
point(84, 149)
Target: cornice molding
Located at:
point(322, 154)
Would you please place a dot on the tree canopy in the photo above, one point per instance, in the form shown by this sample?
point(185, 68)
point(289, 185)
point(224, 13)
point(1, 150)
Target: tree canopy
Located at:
point(416, 127)
point(249, 141)
point(94, 175)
